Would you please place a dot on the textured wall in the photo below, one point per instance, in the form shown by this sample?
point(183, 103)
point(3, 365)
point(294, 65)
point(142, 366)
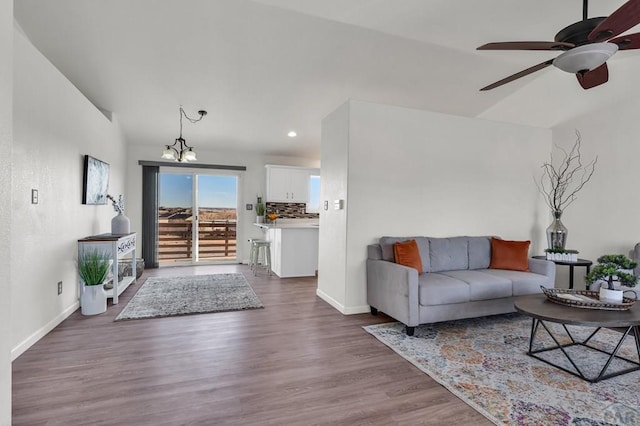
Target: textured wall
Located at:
point(54, 127)
point(6, 142)
point(604, 217)
point(413, 172)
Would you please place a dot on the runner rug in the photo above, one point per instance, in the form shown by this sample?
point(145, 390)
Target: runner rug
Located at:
point(483, 362)
point(194, 294)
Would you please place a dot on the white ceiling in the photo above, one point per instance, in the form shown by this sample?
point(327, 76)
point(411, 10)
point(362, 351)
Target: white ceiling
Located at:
point(264, 67)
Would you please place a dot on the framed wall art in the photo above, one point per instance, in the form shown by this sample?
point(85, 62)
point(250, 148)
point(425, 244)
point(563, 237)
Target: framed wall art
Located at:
point(96, 181)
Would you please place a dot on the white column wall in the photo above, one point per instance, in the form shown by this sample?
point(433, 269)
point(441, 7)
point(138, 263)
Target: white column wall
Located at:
point(54, 127)
point(332, 244)
point(6, 143)
point(604, 217)
point(413, 172)
point(252, 183)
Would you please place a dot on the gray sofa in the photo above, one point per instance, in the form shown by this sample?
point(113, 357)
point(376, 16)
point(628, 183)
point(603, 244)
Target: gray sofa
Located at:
point(457, 282)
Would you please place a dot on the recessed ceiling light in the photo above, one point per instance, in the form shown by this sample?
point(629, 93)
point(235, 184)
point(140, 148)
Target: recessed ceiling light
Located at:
point(292, 134)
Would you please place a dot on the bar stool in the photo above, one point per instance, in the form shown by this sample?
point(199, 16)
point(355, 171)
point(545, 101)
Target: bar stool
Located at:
point(260, 250)
point(252, 249)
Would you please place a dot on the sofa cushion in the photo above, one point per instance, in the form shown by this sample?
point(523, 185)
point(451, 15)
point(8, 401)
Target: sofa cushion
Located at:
point(483, 286)
point(523, 282)
point(513, 255)
point(438, 289)
point(386, 245)
point(374, 252)
point(408, 254)
point(448, 254)
point(479, 252)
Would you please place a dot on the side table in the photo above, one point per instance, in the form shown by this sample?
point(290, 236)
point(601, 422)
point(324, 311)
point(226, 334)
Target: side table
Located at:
point(117, 246)
point(580, 262)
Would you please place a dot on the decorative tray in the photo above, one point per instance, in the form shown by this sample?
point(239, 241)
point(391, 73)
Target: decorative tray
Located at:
point(585, 299)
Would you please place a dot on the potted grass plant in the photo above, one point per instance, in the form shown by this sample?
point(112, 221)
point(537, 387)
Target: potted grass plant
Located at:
point(260, 209)
point(613, 273)
point(93, 268)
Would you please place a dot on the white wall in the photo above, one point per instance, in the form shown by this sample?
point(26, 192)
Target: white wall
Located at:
point(414, 172)
point(252, 183)
point(604, 218)
point(332, 238)
point(6, 142)
point(54, 127)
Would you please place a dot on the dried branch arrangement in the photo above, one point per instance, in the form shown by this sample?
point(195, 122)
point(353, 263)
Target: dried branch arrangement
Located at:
point(560, 183)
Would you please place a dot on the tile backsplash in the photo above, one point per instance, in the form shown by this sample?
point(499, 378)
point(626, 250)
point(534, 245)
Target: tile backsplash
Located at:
point(290, 210)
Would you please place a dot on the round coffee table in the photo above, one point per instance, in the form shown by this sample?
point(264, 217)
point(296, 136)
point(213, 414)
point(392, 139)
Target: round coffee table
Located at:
point(540, 309)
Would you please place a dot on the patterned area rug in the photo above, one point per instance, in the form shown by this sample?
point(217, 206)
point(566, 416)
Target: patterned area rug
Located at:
point(196, 294)
point(484, 362)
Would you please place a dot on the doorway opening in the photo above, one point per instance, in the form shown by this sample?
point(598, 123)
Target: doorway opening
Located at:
point(197, 217)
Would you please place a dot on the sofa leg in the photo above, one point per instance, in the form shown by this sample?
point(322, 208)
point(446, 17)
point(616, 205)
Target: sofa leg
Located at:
point(410, 330)
point(374, 311)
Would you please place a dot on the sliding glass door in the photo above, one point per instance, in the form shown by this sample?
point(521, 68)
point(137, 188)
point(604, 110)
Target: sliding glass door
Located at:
point(197, 217)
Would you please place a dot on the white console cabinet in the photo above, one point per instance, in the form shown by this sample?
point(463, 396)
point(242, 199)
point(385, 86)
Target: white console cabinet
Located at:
point(118, 246)
point(286, 184)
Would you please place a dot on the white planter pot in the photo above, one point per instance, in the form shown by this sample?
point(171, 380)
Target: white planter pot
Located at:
point(93, 300)
point(610, 296)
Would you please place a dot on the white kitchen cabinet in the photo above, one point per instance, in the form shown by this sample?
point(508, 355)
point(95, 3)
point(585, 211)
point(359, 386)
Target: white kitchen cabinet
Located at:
point(294, 251)
point(287, 184)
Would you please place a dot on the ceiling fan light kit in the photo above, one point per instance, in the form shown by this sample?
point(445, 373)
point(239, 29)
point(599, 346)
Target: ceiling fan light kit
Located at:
point(585, 58)
point(587, 46)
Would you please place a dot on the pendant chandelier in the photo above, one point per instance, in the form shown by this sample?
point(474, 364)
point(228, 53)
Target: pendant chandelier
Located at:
point(180, 151)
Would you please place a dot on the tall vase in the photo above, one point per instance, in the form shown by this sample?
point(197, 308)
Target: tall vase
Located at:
point(557, 232)
point(120, 224)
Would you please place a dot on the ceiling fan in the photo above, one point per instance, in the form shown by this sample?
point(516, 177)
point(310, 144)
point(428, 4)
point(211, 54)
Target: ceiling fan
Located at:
point(587, 45)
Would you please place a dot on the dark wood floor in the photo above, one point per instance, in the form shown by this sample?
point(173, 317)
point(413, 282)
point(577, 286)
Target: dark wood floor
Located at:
point(297, 361)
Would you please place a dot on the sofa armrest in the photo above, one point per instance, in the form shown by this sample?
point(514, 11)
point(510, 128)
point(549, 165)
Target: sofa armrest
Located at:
point(393, 289)
point(543, 267)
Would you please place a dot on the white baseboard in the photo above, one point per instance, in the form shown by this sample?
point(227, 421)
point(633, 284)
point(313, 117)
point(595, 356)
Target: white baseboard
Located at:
point(39, 334)
point(352, 310)
point(345, 310)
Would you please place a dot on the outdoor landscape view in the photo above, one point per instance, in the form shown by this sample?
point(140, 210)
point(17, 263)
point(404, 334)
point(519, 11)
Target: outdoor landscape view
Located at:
point(217, 201)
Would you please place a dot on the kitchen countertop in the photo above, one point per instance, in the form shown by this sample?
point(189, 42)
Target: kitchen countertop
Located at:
point(290, 224)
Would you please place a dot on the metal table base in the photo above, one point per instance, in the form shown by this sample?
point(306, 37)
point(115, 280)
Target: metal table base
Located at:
point(632, 330)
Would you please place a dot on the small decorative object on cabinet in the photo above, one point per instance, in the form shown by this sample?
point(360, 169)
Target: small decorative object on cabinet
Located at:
point(93, 268)
point(559, 185)
point(613, 273)
point(120, 224)
point(260, 208)
point(565, 255)
point(117, 246)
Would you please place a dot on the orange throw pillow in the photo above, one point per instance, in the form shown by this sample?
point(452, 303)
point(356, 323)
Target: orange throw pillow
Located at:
point(408, 254)
point(513, 255)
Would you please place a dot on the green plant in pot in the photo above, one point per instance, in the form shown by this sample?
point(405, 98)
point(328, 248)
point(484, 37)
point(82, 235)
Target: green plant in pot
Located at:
point(93, 268)
point(612, 269)
point(260, 209)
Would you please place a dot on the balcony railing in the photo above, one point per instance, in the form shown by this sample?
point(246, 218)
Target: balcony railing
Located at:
point(216, 240)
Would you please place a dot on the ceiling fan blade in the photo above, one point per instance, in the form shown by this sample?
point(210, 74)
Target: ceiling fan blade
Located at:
point(627, 16)
point(626, 42)
point(518, 75)
point(527, 45)
point(593, 78)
